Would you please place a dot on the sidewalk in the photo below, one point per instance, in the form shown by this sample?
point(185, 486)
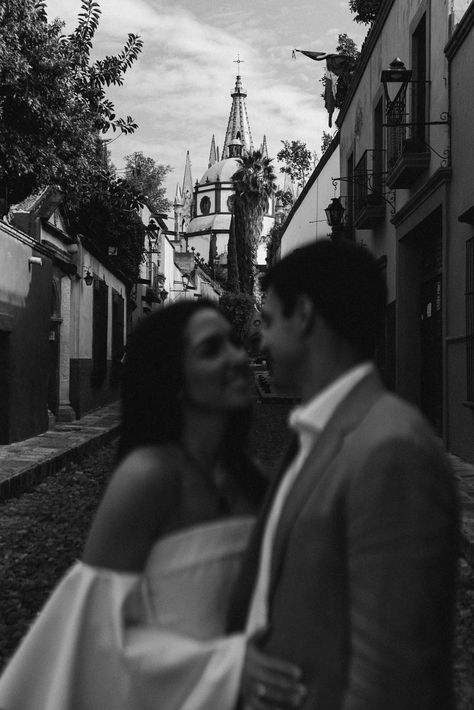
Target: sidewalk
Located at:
point(26, 463)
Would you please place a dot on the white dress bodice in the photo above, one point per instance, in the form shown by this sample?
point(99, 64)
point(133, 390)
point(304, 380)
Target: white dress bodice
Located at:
point(116, 641)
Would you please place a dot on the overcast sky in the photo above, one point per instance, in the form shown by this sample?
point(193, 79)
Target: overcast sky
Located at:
point(179, 89)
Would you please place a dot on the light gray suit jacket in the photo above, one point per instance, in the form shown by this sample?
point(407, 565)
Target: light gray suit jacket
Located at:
point(363, 567)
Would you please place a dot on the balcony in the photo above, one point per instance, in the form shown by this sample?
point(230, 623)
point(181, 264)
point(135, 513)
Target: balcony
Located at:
point(408, 157)
point(369, 204)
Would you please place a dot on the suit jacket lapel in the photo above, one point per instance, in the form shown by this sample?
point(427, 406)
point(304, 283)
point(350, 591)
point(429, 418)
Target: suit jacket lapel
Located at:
point(242, 593)
point(346, 417)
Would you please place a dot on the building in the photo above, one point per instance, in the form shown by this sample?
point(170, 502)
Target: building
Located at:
point(62, 320)
point(405, 157)
point(203, 212)
point(404, 177)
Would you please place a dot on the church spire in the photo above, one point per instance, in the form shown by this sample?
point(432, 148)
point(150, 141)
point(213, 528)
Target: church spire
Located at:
point(238, 126)
point(187, 192)
point(264, 149)
point(187, 179)
point(212, 153)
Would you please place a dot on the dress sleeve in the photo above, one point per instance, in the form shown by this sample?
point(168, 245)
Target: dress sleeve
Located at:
point(92, 648)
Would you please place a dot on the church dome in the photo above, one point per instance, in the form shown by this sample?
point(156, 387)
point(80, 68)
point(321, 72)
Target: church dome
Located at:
point(222, 170)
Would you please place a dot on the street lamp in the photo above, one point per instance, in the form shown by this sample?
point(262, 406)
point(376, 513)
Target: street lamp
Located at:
point(395, 82)
point(88, 277)
point(334, 212)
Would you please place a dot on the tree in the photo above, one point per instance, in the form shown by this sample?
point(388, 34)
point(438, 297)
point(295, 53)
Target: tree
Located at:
point(298, 160)
point(53, 103)
point(254, 184)
point(326, 141)
point(109, 218)
point(146, 177)
point(365, 10)
point(273, 242)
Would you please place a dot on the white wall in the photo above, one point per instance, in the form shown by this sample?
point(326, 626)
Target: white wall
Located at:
point(307, 220)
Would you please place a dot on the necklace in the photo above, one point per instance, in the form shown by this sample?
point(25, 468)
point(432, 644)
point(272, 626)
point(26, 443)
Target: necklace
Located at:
point(218, 484)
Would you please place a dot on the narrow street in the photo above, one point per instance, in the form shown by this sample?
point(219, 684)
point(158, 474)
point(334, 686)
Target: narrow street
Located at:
point(42, 533)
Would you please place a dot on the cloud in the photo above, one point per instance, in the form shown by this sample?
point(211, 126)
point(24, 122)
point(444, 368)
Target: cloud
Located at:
point(179, 89)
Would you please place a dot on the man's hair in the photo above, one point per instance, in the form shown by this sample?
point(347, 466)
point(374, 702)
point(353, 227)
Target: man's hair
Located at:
point(345, 284)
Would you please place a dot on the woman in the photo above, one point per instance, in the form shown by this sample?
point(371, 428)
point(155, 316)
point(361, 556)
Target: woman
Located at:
point(138, 622)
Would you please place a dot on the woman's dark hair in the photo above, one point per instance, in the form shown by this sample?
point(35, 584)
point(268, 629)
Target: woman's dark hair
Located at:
point(153, 377)
point(152, 382)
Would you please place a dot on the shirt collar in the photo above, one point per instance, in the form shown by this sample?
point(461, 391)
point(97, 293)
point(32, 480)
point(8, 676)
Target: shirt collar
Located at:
point(315, 414)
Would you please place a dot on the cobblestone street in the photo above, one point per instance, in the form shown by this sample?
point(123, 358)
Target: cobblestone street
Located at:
point(42, 533)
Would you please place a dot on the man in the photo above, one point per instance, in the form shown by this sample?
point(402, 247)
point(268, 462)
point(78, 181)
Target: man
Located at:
point(350, 576)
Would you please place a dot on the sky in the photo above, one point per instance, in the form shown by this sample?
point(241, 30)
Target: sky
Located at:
point(178, 91)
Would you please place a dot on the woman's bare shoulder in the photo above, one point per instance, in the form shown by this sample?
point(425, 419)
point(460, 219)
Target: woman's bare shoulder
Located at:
point(142, 495)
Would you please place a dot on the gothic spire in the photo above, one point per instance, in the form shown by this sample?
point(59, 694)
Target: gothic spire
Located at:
point(212, 153)
point(238, 125)
point(264, 149)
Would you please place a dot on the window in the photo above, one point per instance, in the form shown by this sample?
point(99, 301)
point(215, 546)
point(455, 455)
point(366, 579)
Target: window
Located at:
point(117, 336)
point(205, 205)
point(350, 190)
point(378, 162)
point(419, 85)
point(99, 332)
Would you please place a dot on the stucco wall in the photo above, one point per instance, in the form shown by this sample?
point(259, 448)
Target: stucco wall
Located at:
point(308, 222)
point(25, 297)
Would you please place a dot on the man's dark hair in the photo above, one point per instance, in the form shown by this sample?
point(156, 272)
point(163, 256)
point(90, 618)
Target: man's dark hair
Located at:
point(344, 282)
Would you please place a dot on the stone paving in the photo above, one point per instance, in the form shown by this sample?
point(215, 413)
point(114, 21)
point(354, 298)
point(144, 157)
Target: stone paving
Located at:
point(25, 463)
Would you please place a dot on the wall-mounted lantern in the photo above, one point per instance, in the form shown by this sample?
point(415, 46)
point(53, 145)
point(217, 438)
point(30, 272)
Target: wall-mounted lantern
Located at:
point(186, 279)
point(335, 212)
point(88, 276)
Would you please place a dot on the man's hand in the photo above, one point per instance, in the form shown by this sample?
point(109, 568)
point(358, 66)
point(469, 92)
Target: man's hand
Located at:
point(269, 682)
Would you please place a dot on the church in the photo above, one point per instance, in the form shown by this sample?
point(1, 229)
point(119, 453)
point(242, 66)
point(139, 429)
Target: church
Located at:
point(203, 211)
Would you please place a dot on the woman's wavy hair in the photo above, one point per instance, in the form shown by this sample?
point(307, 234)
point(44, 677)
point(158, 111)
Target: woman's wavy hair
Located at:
point(152, 382)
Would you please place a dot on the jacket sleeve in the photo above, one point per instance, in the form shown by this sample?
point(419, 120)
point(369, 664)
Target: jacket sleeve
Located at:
point(402, 550)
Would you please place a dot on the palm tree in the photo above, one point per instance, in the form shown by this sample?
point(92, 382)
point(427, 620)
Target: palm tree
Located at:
point(254, 184)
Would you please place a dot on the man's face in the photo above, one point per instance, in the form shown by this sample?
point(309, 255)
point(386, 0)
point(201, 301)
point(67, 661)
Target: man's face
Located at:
point(281, 344)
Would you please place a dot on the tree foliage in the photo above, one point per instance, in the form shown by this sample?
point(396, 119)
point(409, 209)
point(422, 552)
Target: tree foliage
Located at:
point(326, 140)
point(297, 159)
point(109, 218)
point(238, 307)
point(273, 242)
point(53, 103)
point(146, 178)
point(254, 184)
point(365, 10)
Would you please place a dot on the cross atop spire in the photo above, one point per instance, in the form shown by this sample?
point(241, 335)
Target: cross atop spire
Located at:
point(238, 61)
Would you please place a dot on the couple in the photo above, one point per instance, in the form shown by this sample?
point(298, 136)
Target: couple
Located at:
point(339, 597)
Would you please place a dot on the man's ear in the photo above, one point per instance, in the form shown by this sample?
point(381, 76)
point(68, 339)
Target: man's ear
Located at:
point(304, 313)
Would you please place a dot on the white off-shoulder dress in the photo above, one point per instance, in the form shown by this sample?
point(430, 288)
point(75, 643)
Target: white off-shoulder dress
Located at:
point(107, 640)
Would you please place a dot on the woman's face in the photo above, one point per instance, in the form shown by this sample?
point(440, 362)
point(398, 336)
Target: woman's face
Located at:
point(216, 371)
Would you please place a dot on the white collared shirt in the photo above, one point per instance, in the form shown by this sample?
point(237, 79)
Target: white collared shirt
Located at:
point(308, 420)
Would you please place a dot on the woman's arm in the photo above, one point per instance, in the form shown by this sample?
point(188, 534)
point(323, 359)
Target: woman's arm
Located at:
point(141, 496)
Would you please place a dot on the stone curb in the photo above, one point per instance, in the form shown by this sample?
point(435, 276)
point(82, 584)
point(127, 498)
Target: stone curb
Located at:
point(25, 464)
